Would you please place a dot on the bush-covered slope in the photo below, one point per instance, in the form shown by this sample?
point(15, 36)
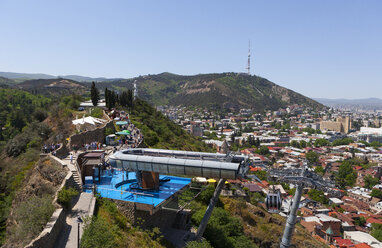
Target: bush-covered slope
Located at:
point(160, 132)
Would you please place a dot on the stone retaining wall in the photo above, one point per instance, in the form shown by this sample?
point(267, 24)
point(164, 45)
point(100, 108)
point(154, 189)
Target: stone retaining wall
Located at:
point(97, 135)
point(49, 235)
point(62, 152)
point(162, 218)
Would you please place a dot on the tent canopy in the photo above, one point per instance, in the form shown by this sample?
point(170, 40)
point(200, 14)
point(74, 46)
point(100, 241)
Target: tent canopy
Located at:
point(123, 132)
point(88, 120)
point(120, 123)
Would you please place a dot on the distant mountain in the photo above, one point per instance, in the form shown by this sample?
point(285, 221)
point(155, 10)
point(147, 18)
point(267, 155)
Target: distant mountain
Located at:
point(6, 82)
point(56, 86)
point(28, 76)
point(361, 104)
point(14, 75)
point(218, 91)
point(88, 79)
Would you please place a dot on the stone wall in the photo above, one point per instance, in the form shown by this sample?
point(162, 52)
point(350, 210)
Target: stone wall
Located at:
point(62, 152)
point(97, 135)
point(49, 235)
point(162, 218)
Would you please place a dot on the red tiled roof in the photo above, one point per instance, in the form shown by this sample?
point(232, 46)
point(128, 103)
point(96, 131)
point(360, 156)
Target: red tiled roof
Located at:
point(343, 242)
point(373, 220)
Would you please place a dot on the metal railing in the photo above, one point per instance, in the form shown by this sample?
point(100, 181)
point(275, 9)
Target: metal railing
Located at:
point(124, 195)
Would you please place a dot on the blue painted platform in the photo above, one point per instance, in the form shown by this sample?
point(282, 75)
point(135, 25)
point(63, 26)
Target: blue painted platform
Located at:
point(109, 180)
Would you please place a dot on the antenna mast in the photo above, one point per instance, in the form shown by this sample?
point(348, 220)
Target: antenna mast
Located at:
point(249, 58)
point(135, 90)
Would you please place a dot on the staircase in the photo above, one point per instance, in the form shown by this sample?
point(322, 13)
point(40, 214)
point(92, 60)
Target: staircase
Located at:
point(73, 169)
point(77, 181)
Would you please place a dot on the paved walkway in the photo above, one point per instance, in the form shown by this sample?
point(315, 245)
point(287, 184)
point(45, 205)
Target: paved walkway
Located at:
point(84, 207)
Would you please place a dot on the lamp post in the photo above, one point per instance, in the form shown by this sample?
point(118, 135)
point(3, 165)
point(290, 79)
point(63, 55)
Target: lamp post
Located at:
point(79, 221)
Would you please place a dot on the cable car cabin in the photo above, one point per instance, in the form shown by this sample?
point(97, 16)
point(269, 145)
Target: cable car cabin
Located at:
point(273, 202)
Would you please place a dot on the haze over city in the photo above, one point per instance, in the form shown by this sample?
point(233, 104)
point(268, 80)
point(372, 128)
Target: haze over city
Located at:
point(327, 49)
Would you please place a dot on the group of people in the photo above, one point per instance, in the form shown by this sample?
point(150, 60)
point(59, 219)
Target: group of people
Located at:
point(92, 146)
point(50, 148)
point(135, 137)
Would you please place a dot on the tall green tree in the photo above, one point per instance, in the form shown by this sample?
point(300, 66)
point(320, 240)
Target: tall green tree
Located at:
point(370, 181)
point(312, 157)
point(94, 94)
point(346, 175)
point(107, 98)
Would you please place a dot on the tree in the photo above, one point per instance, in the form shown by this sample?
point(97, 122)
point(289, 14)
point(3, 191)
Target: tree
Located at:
point(376, 231)
point(112, 99)
point(346, 175)
point(318, 195)
point(341, 142)
point(319, 170)
point(303, 144)
point(312, 157)
point(94, 94)
point(370, 181)
point(376, 144)
point(107, 98)
point(295, 143)
point(130, 98)
point(376, 193)
point(199, 244)
point(360, 221)
point(321, 142)
point(263, 150)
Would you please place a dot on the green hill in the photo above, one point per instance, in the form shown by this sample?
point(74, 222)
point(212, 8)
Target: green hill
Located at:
point(217, 91)
point(6, 82)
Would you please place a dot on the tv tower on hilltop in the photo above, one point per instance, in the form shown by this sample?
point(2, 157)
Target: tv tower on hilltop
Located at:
point(249, 58)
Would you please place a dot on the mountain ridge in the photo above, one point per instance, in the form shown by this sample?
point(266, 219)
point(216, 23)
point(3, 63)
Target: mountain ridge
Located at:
point(220, 91)
point(215, 90)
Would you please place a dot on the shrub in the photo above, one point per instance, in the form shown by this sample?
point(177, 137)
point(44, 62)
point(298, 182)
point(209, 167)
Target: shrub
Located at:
point(65, 197)
point(31, 217)
point(97, 113)
point(97, 233)
point(198, 244)
point(246, 190)
point(109, 131)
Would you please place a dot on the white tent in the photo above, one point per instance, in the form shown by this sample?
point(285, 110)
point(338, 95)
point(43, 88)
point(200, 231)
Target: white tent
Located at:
point(88, 123)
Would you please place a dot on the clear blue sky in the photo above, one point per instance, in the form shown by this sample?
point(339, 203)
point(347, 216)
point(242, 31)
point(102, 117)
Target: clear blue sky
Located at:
point(326, 49)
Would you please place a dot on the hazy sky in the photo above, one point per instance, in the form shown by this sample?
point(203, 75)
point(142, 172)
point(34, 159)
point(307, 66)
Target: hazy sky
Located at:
point(326, 49)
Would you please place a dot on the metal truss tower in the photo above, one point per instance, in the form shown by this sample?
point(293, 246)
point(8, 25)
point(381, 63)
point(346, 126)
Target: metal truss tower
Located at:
point(249, 59)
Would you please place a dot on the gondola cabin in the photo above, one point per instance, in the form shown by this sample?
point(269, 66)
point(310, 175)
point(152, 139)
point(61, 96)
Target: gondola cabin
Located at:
point(273, 202)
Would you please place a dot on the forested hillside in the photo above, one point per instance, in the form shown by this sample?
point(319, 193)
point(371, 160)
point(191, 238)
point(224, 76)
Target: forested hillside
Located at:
point(27, 122)
point(216, 91)
point(160, 132)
